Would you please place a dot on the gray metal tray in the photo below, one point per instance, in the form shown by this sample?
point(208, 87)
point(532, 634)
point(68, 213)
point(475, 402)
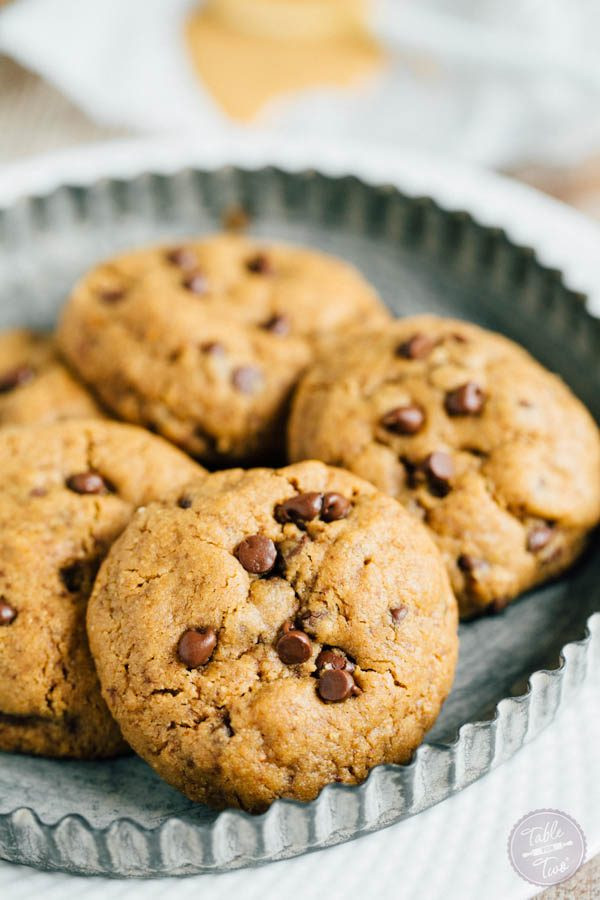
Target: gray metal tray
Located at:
point(515, 669)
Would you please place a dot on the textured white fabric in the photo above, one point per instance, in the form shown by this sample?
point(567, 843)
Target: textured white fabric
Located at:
point(489, 81)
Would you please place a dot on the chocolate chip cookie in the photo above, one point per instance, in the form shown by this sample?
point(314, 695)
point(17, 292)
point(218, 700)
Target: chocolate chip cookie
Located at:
point(35, 386)
point(203, 342)
point(492, 451)
point(271, 631)
point(66, 491)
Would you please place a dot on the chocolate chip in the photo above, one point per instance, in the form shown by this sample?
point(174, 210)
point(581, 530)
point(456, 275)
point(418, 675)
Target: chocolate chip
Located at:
point(87, 483)
point(196, 283)
point(310, 620)
point(235, 218)
point(288, 549)
point(111, 295)
point(196, 646)
point(259, 264)
point(294, 647)
point(226, 720)
point(498, 605)
point(213, 348)
point(72, 578)
point(184, 502)
point(439, 470)
point(301, 508)
point(331, 659)
point(257, 554)
point(466, 400)
point(538, 538)
point(336, 685)
point(335, 506)
point(278, 324)
point(404, 419)
point(417, 347)
point(471, 564)
point(182, 257)
point(15, 378)
point(399, 613)
point(246, 379)
point(79, 577)
point(8, 614)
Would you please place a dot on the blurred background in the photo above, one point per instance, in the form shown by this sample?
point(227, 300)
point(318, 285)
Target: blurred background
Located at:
point(509, 86)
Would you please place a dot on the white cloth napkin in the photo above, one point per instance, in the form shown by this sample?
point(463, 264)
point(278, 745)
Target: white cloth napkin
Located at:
point(491, 82)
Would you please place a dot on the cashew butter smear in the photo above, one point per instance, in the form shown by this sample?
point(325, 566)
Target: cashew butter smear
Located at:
point(247, 52)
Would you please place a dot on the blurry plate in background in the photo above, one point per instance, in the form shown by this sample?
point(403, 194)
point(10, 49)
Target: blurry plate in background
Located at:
point(563, 238)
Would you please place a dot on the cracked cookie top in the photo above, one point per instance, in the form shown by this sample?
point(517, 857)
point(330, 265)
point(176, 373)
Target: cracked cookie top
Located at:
point(271, 631)
point(35, 386)
point(490, 450)
point(66, 492)
point(204, 341)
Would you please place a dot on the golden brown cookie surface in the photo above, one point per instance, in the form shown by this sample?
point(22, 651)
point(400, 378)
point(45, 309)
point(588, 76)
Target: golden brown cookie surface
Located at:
point(492, 451)
point(66, 491)
point(203, 342)
point(271, 632)
point(35, 386)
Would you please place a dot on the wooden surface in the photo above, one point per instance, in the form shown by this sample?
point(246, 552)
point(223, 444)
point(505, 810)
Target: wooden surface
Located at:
point(35, 118)
point(579, 187)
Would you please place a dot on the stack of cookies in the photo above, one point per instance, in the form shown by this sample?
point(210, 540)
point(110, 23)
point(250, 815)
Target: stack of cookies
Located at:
point(259, 632)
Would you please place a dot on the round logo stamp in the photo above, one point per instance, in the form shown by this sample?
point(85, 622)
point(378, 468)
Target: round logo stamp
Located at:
point(546, 847)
